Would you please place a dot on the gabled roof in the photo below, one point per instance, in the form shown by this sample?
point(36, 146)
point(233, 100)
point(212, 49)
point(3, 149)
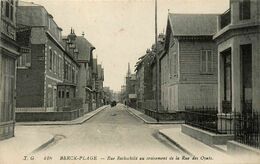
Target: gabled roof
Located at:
point(84, 47)
point(193, 24)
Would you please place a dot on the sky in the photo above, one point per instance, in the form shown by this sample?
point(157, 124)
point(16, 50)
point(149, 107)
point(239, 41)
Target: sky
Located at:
point(121, 30)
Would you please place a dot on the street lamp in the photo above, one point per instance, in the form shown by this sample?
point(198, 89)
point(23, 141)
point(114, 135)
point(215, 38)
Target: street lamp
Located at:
point(157, 66)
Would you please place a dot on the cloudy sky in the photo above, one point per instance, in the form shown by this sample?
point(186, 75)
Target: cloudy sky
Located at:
point(121, 30)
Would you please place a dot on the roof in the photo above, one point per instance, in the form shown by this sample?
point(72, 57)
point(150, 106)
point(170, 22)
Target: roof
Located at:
point(193, 24)
point(84, 47)
point(23, 3)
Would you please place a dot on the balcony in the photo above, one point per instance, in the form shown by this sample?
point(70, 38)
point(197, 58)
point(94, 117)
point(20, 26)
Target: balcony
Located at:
point(225, 19)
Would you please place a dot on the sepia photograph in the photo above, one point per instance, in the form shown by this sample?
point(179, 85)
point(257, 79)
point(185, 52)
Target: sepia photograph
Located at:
point(130, 81)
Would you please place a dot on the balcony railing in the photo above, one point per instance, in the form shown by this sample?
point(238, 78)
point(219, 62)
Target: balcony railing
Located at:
point(225, 19)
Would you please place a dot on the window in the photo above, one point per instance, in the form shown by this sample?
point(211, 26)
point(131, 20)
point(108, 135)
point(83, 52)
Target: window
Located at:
point(54, 62)
point(206, 62)
point(9, 9)
point(244, 9)
point(24, 60)
point(174, 62)
point(51, 60)
point(66, 71)
point(59, 94)
point(67, 94)
point(62, 94)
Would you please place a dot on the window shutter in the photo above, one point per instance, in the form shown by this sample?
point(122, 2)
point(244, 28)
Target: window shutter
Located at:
point(210, 62)
point(203, 61)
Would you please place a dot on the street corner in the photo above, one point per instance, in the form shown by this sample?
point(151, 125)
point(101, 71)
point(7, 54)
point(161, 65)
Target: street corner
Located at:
point(26, 140)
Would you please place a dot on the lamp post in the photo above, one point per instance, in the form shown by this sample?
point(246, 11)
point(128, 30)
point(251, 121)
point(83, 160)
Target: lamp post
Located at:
point(157, 67)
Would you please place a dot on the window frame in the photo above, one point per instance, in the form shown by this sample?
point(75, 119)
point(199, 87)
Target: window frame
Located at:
point(50, 59)
point(243, 13)
point(207, 72)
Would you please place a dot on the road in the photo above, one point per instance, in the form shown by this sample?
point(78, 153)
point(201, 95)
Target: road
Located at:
point(112, 132)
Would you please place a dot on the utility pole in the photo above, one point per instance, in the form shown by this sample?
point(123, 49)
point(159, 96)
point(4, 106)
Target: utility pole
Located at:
point(157, 66)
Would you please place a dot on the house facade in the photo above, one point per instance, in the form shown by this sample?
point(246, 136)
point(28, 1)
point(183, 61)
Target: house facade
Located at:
point(85, 59)
point(47, 75)
point(189, 64)
point(99, 84)
point(9, 51)
point(238, 39)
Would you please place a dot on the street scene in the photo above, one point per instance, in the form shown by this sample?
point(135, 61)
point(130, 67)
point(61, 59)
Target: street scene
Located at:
point(142, 81)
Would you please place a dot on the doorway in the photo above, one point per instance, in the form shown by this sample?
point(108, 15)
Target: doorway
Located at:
point(246, 72)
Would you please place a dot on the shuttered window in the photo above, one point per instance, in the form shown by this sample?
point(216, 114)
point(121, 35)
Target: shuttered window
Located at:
point(206, 62)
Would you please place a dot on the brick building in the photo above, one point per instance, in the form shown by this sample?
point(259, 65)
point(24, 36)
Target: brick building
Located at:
point(47, 75)
point(9, 51)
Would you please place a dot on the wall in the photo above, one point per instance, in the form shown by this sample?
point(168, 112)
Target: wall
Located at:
point(197, 95)
point(242, 37)
point(190, 60)
point(30, 81)
point(48, 116)
point(31, 16)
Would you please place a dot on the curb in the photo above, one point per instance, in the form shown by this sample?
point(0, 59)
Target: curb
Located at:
point(56, 123)
point(175, 143)
point(138, 117)
point(148, 122)
point(43, 145)
point(91, 116)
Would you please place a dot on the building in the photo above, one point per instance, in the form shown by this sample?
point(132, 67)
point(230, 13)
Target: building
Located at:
point(99, 85)
point(189, 64)
point(94, 83)
point(47, 75)
point(85, 59)
point(144, 90)
point(238, 39)
point(130, 88)
point(107, 95)
point(9, 51)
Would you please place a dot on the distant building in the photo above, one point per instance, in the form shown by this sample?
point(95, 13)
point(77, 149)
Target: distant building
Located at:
point(9, 51)
point(47, 75)
point(130, 98)
point(99, 84)
point(189, 64)
point(94, 83)
point(144, 83)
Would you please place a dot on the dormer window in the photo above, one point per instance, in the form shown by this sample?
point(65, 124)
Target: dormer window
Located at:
point(244, 9)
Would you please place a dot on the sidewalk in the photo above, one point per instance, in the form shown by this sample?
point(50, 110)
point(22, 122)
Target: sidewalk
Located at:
point(192, 146)
point(23, 144)
point(77, 121)
point(147, 119)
